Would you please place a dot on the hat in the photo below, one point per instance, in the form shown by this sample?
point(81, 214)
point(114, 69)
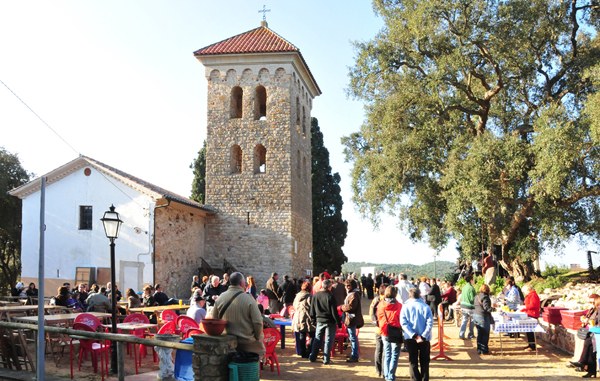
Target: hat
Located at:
point(19, 285)
point(593, 296)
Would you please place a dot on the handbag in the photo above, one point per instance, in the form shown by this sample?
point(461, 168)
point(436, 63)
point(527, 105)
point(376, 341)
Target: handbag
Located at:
point(394, 334)
point(582, 333)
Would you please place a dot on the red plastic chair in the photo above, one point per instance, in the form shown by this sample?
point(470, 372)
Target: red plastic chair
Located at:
point(89, 320)
point(185, 323)
point(142, 333)
point(168, 315)
point(93, 347)
point(169, 328)
point(272, 337)
point(193, 331)
point(341, 335)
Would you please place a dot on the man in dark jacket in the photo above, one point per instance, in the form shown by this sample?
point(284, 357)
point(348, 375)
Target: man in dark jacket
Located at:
point(323, 310)
point(368, 286)
point(274, 293)
point(212, 291)
point(339, 291)
point(288, 293)
point(159, 296)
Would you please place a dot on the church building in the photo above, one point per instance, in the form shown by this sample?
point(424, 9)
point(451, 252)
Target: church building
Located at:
point(258, 214)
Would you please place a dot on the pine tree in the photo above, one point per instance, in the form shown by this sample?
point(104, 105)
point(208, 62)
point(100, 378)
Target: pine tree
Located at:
point(199, 182)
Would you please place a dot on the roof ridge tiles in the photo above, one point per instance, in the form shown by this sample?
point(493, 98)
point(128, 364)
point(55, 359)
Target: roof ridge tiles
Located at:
point(258, 40)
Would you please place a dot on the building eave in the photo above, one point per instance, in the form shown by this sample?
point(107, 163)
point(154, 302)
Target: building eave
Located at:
point(273, 58)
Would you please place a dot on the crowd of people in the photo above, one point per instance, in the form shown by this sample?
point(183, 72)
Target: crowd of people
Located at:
point(98, 298)
point(403, 310)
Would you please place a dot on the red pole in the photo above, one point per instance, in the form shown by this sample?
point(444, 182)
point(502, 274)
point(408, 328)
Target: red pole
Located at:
point(440, 343)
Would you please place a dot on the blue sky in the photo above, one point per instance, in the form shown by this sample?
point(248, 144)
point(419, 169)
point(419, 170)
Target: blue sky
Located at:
point(117, 80)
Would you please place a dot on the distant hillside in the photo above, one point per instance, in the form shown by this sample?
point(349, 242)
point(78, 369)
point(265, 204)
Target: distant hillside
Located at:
point(413, 271)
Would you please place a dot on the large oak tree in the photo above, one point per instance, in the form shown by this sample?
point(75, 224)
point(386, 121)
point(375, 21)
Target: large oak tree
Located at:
point(482, 123)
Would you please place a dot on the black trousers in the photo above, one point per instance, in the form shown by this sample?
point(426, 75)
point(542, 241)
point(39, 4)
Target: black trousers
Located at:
point(531, 339)
point(378, 354)
point(588, 356)
point(418, 354)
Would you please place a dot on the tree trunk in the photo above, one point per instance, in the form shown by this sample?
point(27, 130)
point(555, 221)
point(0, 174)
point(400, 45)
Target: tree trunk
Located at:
point(521, 271)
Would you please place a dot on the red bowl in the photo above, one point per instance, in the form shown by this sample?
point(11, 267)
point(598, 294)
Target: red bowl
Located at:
point(214, 327)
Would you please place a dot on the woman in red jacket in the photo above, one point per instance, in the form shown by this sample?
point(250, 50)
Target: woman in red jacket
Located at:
point(388, 313)
point(532, 309)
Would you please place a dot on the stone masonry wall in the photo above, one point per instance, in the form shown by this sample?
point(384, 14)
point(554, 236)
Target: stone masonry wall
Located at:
point(179, 237)
point(264, 220)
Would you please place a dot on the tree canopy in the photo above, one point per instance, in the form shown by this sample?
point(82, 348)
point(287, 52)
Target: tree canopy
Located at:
point(482, 123)
point(12, 175)
point(329, 229)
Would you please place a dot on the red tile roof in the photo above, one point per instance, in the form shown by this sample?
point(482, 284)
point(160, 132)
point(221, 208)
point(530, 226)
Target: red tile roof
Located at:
point(259, 40)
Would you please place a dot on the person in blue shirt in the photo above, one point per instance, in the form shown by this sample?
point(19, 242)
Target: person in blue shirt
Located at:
point(512, 296)
point(416, 321)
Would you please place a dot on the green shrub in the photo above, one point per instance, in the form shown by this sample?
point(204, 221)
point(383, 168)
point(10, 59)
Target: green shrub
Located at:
point(554, 270)
point(540, 284)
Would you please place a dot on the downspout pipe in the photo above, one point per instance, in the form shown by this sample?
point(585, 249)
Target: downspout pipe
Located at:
point(154, 235)
point(150, 233)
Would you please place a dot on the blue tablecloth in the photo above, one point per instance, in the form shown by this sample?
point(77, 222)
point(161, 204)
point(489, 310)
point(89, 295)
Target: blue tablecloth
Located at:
point(183, 363)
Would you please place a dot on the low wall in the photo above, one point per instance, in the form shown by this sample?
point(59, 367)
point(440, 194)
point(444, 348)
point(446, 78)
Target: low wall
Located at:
point(561, 338)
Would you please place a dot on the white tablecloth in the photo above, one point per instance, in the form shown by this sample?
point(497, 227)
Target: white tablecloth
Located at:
point(517, 325)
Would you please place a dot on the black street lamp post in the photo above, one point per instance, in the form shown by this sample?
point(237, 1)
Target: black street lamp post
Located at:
point(112, 223)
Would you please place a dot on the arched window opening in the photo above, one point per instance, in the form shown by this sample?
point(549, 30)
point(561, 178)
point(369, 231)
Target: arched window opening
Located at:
point(305, 167)
point(297, 111)
point(303, 121)
point(235, 161)
point(260, 159)
point(235, 107)
point(260, 103)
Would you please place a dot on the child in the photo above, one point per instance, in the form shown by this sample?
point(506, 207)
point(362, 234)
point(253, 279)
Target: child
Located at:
point(263, 300)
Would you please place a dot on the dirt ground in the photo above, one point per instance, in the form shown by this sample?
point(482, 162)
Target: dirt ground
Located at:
point(466, 365)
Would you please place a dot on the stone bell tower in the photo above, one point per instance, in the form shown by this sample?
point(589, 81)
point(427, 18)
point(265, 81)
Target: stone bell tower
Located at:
point(258, 157)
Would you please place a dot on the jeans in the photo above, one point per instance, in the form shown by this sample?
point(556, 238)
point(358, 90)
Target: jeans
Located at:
point(482, 322)
point(378, 354)
point(418, 353)
point(467, 316)
point(326, 331)
point(391, 351)
point(353, 338)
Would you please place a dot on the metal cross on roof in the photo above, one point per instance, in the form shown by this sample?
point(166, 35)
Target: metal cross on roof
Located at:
point(264, 12)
